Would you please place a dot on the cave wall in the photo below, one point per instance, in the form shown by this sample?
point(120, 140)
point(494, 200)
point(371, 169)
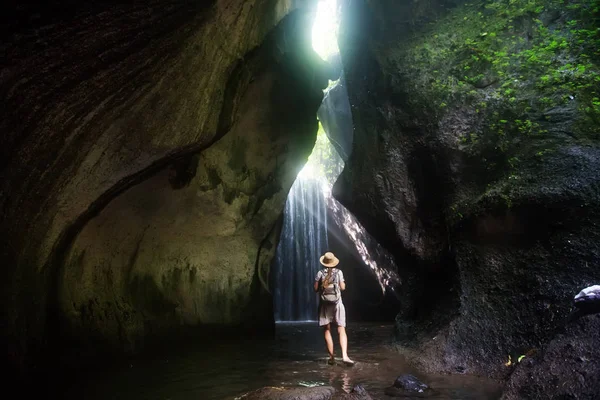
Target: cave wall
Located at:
point(336, 118)
point(181, 248)
point(475, 163)
point(100, 97)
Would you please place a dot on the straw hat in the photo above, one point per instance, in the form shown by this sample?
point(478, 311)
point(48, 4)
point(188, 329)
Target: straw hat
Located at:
point(329, 260)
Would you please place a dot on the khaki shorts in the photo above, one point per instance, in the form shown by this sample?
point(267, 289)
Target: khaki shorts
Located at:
point(332, 313)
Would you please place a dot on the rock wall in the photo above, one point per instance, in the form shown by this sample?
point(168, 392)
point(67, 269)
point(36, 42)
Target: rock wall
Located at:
point(336, 118)
point(98, 98)
point(476, 148)
point(181, 248)
point(369, 270)
point(567, 368)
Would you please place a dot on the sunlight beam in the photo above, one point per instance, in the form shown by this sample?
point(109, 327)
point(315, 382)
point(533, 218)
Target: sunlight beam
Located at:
point(325, 29)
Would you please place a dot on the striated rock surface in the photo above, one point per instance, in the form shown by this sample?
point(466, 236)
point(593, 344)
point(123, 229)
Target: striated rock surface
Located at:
point(100, 98)
point(181, 248)
point(476, 162)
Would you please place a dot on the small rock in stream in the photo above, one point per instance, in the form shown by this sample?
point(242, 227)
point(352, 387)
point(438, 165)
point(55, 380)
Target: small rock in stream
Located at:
point(408, 386)
point(357, 393)
point(410, 382)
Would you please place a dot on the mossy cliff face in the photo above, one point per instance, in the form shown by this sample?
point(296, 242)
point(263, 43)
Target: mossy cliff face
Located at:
point(336, 118)
point(100, 98)
point(475, 159)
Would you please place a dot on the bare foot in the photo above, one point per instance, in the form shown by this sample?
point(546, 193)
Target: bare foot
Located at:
point(348, 361)
point(331, 360)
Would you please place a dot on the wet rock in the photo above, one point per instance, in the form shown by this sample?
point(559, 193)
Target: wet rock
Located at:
point(282, 393)
point(408, 385)
point(568, 368)
point(358, 393)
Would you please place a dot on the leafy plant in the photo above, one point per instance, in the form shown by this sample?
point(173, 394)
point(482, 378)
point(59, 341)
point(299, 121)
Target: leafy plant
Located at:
point(513, 67)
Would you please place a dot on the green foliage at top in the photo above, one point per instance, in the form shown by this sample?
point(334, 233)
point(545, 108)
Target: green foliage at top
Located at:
point(324, 161)
point(513, 80)
point(516, 63)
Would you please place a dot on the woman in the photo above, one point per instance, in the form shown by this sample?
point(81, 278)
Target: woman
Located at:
point(329, 282)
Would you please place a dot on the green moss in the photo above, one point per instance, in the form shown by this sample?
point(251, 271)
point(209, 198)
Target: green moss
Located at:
point(519, 78)
point(513, 61)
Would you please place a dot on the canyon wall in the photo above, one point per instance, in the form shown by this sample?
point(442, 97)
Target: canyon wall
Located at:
point(147, 151)
point(475, 161)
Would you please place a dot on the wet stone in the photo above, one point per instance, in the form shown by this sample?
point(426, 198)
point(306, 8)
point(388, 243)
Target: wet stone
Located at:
point(293, 393)
point(411, 383)
point(357, 393)
point(408, 385)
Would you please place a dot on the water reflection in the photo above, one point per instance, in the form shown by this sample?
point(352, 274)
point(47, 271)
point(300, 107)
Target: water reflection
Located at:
point(227, 369)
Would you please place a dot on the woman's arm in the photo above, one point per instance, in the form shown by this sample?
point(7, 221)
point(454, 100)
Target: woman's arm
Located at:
point(318, 279)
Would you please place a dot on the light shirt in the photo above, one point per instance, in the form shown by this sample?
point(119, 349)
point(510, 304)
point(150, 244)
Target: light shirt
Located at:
point(337, 274)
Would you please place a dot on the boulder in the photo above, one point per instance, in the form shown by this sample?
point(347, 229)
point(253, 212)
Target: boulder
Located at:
point(408, 386)
point(410, 383)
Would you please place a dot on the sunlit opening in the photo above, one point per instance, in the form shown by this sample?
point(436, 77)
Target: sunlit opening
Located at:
point(324, 164)
point(325, 29)
point(312, 215)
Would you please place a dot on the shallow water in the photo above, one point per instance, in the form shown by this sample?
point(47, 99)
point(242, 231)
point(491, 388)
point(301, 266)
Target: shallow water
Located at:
point(296, 356)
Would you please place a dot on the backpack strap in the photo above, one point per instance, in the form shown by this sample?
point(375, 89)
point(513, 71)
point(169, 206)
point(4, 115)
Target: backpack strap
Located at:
point(324, 275)
point(336, 275)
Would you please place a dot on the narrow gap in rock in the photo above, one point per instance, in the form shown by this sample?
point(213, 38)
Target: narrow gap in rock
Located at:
point(315, 222)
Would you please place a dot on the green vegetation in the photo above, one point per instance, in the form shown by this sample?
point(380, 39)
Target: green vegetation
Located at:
point(512, 80)
point(516, 63)
point(324, 161)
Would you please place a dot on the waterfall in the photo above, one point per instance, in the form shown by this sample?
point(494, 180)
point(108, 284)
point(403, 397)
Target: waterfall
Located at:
point(303, 240)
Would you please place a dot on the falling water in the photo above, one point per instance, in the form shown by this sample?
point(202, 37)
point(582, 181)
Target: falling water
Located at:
point(304, 236)
point(303, 240)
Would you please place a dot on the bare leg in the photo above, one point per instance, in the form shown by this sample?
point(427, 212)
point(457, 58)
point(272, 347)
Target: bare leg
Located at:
point(328, 340)
point(344, 343)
